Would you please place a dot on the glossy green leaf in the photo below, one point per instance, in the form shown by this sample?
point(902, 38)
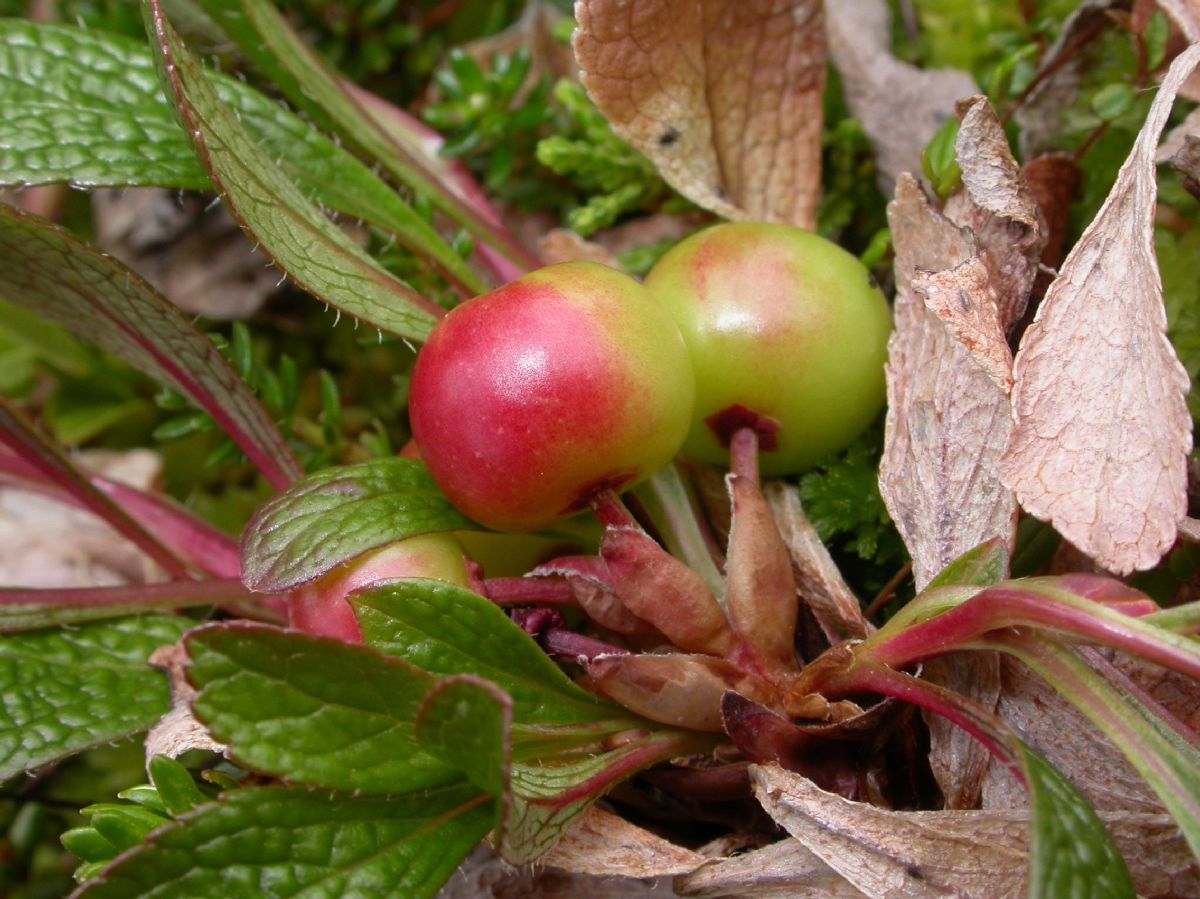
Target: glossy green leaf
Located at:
point(69, 690)
point(49, 271)
point(313, 711)
point(278, 842)
point(264, 36)
point(314, 252)
point(466, 722)
point(122, 824)
point(174, 785)
point(337, 514)
point(1072, 854)
point(982, 566)
point(86, 844)
point(86, 107)
point(448, 630)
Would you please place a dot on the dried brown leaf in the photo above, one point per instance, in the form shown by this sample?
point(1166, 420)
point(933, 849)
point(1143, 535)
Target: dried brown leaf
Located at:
point(178, 731)
point(603, 843)
point(1052, 725)
point(956, 853)
point(900, 106)
point(959, 761)
point(894, 854)
point(724, 97)
point(1102, 432)
point(562, 245)
point(484, 876)
point(821, 583)
point(783, 870)
point(1186, 15)
point(947, 421)
point(966, 303)
point(997, 207)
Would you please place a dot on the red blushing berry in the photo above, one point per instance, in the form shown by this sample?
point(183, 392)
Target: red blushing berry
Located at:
point(530, 400)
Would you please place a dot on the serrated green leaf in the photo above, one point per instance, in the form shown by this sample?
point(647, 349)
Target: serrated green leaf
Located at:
point(340, 513)
point(174, 785)
point(86, 107)
point(466, 722)
point(448, 630)
point(49, 271)
point(1072, 854)
point(264, 36)
point(276, 842)
point(69, 690)
point(311, 710)
point(983, 566)
point(317, 254)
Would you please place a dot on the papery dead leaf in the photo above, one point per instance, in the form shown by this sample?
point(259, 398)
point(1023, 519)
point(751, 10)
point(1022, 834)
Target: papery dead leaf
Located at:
point(964, 300)
point(1102, 431)
point(963, 854)
point(959, 761)
point(178, 731)
point(947, 421)
point(1186, 15)
point(1177, 692)
point(726, 98)
point(192, 251)
point(910, 854)
point(820, 581)
point(1187, 161)
point(1069, 741)
point(563, 245)
point(484, 876)
point(47, 543)
point(603, 843)
point(998, 208)
point(900, 106)
point(783, 870)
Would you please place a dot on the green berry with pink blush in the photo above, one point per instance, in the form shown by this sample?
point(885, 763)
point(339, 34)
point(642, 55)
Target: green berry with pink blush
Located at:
point(787, 334)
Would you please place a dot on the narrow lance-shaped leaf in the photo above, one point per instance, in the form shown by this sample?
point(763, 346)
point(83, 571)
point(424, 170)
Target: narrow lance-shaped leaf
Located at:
point(1168, 763)
point(65, 124)
point(51, 272)
point(314, 252)
point(53, 464)
point(1068, 843)
point(278, 842)
point(1102, 431)
point(337, 514)
point(313, 711)
point(70, 689)
point(264, 36)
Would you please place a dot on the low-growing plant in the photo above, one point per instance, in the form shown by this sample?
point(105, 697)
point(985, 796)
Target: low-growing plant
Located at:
point(369, 703)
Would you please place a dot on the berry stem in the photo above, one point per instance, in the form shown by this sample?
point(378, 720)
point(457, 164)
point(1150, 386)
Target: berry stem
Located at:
point(612, 512)
point(526, 591)
point(571, 646)
point(743, 454)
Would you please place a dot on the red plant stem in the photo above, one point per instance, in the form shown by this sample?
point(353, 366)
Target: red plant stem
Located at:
point(225, 592)
point(743, 454)
point(1124, 682)
point(634, 760)
point(612, 511)
point(1004, 607)
point(57, 469)
point(572, 646)
point(216, 553)
point(970, 716)
point(529, 591)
